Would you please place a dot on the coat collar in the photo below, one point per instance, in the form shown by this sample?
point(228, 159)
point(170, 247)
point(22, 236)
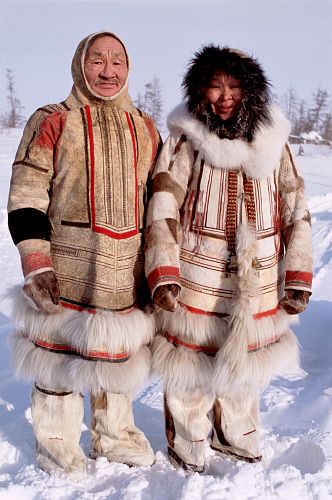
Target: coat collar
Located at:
point(258, 159)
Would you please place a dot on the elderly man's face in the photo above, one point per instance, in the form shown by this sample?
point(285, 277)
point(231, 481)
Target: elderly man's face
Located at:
point(105, 66)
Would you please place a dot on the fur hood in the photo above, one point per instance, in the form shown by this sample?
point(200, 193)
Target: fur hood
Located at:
point(82, 91)
point(258, 158)
point(254, 109)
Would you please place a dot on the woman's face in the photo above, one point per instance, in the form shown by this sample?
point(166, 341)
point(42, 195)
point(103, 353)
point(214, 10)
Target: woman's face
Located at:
point(224, 93)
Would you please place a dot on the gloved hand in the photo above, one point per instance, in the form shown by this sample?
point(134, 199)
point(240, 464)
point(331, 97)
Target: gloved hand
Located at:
point(295, 301)
point(165, 296)
point(42, 292)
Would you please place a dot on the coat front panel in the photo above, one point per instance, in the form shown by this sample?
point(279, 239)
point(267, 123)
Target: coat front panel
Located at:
point(208, 268)
point(228, 220)
point(90, 167)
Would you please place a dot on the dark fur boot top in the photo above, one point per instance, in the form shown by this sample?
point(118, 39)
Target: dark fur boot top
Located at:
point(254, 109)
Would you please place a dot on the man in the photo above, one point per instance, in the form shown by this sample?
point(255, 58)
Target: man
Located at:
point(76, 213)
point(228, 256)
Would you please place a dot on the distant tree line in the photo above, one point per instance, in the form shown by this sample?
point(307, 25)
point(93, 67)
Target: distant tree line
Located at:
point(305, 117)
point(151, 102)
point(12, 116)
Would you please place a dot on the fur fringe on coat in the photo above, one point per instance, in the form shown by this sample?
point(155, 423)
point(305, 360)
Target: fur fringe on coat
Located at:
point(57, 350)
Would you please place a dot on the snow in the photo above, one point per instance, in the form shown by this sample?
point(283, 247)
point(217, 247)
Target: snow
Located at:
point(296, 412)
point(311, 136)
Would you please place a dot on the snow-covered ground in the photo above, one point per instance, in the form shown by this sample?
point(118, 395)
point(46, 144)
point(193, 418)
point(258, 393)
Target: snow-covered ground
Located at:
point(296, 412)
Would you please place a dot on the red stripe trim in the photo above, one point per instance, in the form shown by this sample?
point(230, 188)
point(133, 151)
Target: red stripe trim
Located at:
point(107, 355)
point(92, 164)
point(194, 310)
point(264, 314)
point(260, 345)
point(132, 133)
point(98, 229)
point(303, 276)
point(170, 272)
point(90, 354)
point(112, 234)
point(49, 345)
point(34, 261)
point(151, 129)
point(192, 347)
point(77, 308)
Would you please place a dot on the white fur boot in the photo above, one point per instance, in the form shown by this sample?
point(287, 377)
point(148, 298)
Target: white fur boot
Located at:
point(114, 434)
point(236, 427)
point(57, 422)
point(187, 427)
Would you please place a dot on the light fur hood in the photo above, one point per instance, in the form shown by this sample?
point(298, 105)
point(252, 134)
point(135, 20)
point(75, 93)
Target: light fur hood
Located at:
point(258, 159)
point(82, 91)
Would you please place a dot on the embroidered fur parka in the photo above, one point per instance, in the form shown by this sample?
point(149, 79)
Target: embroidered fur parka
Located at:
point(77, 206)
point(80, 183)
point(229, 224)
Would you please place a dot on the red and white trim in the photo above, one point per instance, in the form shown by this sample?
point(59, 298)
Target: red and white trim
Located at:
point(298, 279)
point(163, 276)
point(95, 226)
point(119, 357)
point(35, 263)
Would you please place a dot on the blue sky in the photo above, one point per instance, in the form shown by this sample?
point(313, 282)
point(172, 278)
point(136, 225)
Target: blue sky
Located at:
point(291, 38)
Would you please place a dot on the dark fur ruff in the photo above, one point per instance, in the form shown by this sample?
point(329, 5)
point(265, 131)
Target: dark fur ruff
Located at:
point(254, 109)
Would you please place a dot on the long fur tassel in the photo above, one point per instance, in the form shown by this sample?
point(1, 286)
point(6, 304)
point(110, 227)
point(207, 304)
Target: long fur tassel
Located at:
point(236, 369)
point(235, 347)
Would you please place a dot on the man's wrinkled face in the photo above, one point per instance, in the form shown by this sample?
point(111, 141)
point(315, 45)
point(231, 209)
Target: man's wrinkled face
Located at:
point(105, 66)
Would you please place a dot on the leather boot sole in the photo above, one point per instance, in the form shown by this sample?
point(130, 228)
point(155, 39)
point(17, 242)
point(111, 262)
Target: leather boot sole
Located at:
point(177, 462)
point(230, 453)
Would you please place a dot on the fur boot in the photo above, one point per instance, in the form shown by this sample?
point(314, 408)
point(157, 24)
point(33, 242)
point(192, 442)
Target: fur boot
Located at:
point(187, 427)
point(57, 422)
point(114, 434)
point(235, 428)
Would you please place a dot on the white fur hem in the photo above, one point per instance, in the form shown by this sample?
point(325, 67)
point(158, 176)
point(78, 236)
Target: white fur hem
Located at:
point(180, 368)
point(98, 376)
point(254, 371)
point(48, 369)
point(82, 331)
point(70, 373)
point(193, 328)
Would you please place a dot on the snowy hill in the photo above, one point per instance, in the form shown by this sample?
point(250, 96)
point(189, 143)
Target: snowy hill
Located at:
point(296, 412)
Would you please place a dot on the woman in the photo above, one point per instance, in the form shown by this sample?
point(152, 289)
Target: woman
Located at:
point(228, 256)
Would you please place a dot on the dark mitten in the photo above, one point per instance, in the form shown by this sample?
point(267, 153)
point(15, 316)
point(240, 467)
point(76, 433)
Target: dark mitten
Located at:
point(165, 297)
point(295, 301)
point(42, 292)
